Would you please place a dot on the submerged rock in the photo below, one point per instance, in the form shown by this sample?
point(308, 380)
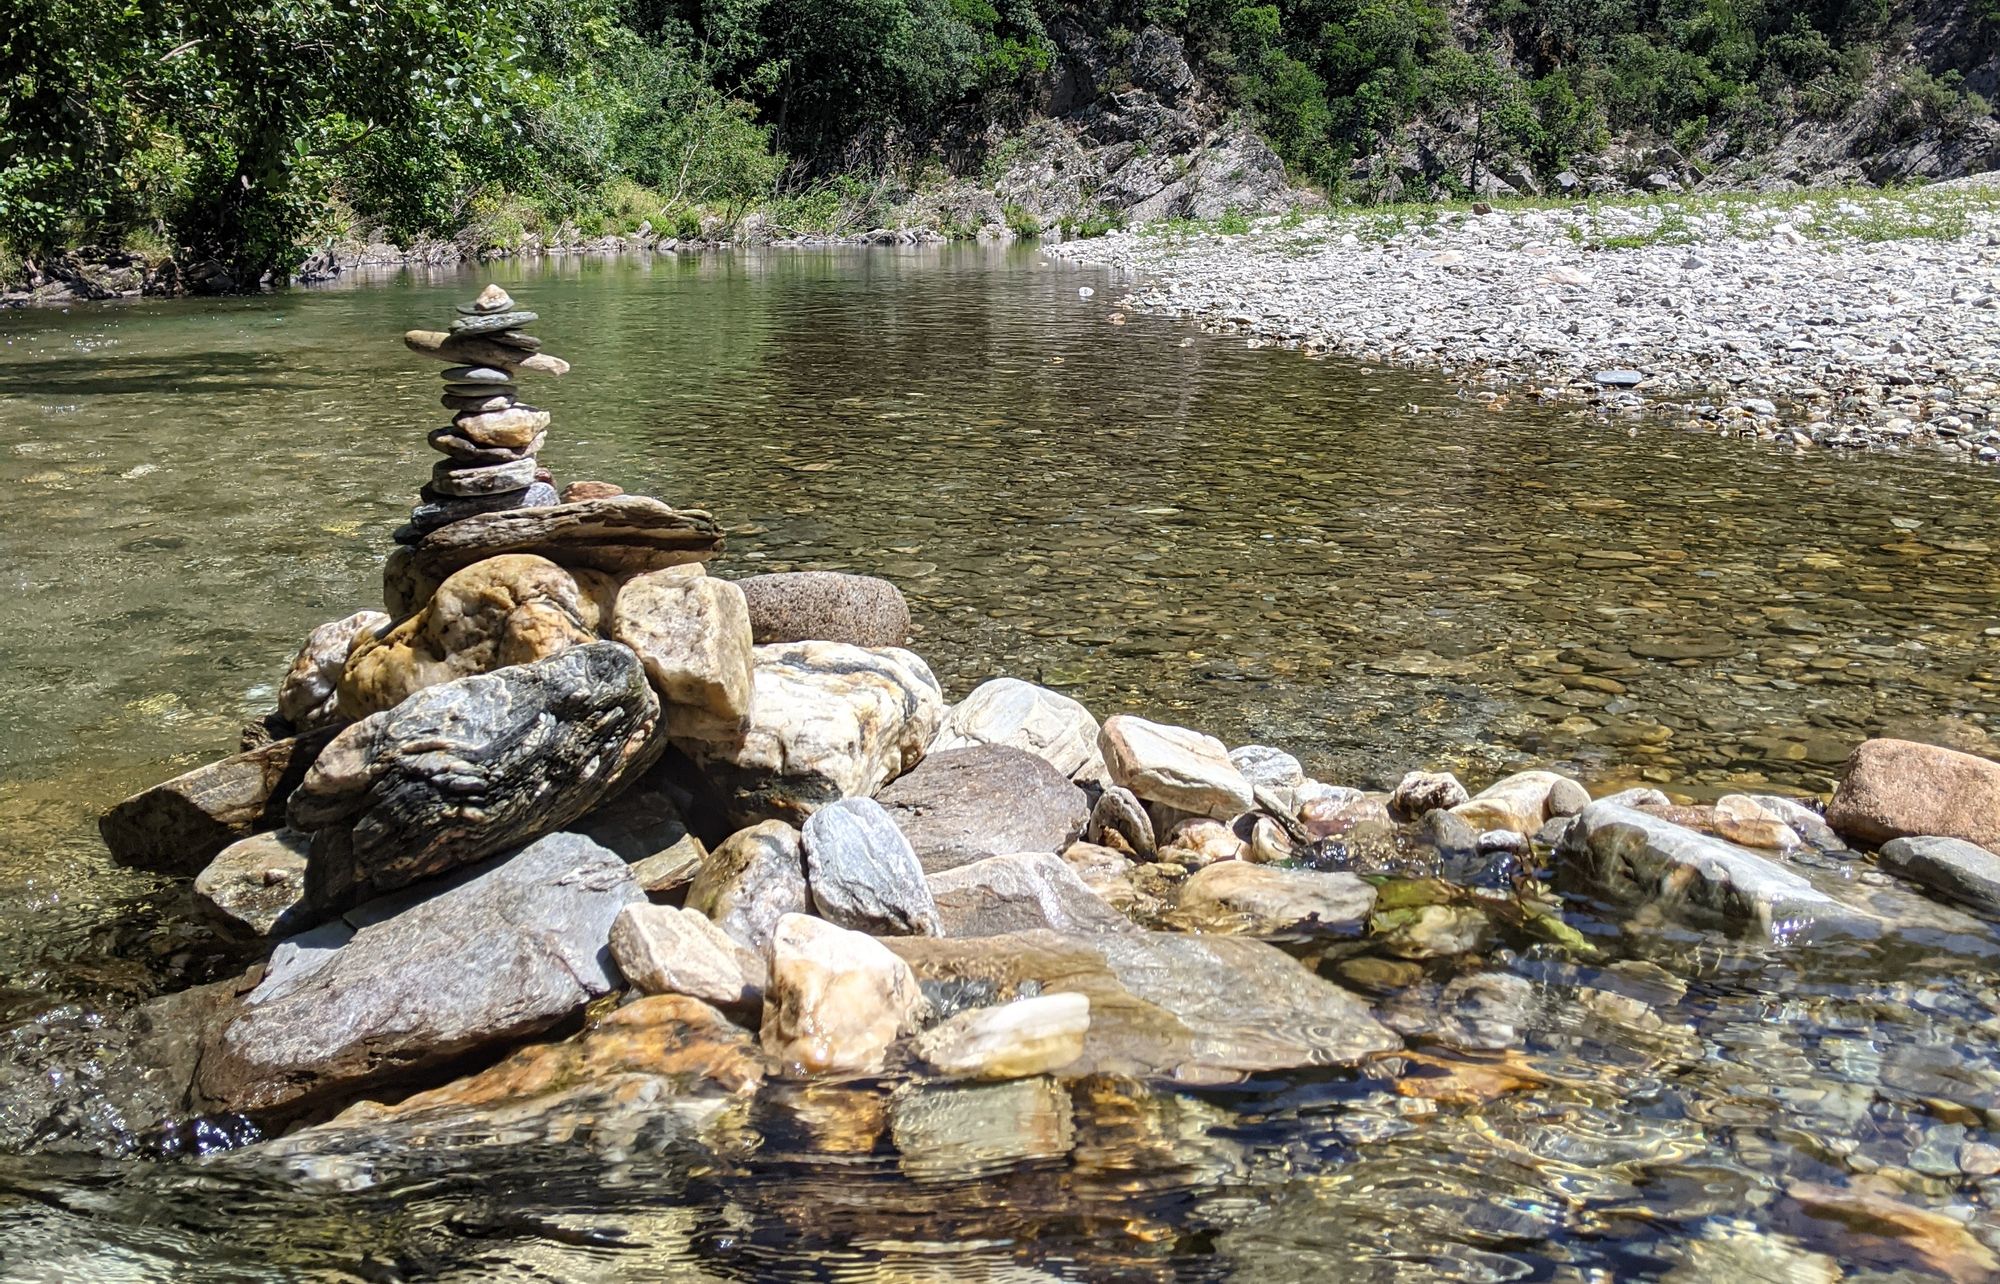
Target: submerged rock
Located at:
point(962, 805)
point(1422, 791)
point(1266, 900)
point(1017, 892)
point(949, 1132)
point(180, 825)
point(505, 953)
point(258, 884)
point(1174, 766)
point(692, 633)
point(463, 770)
point(309, 695)
point(837, 999)
point(1633, 856)
point(1011, 1041)
point(753, 879)
point(827, 721)
point(1960, 870)
point(1021, 715)
point(1196, 1009)
point(663, 950)
point(1903, 789)
point(503, 611)
point(862, 872)
point(826, 606)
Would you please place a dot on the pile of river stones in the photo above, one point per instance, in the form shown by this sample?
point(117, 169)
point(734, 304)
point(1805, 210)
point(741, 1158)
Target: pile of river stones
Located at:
point(734, 831)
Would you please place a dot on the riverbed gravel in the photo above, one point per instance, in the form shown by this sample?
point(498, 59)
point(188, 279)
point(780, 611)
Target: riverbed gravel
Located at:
point(1810, 319)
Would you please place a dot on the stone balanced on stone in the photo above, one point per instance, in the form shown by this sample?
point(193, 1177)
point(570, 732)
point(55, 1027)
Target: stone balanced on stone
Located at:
point(490, 445)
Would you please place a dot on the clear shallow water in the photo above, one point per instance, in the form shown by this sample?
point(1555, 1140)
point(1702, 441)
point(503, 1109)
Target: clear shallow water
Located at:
point(1355, 564)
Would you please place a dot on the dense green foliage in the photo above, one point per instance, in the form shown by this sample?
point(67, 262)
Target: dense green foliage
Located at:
point(1541, 81)
point(245, 129)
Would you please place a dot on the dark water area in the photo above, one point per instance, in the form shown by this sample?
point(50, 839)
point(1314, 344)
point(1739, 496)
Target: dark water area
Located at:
point(1361, 566)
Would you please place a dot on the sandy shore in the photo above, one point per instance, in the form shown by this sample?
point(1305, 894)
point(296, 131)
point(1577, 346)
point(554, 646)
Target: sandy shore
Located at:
point(1832, 319)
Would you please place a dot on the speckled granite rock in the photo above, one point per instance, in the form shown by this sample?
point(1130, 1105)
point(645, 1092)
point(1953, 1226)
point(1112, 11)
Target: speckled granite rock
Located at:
point(826, 606)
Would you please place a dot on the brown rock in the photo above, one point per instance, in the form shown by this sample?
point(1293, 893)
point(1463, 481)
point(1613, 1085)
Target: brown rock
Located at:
point(1902, 789)
point(826, 606)
point(623, 535)
point(512, 609)
point(836, 999)
point(308, 697)
point(404, 590)
point(693, 635)
point(177, 827)
point(578, 491)
point(512, 428)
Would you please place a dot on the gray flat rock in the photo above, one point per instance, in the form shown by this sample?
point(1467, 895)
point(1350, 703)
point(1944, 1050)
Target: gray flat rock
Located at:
point(962, 805)
point(1017, 893)
point(863, 874)
point(501, 956)
point(1963, 871)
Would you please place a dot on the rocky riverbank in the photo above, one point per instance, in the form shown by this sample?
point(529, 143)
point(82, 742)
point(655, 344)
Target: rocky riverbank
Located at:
point(1836, 319)
point(572, 841)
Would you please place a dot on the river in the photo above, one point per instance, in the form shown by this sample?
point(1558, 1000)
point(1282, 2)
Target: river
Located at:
point(1357, 564)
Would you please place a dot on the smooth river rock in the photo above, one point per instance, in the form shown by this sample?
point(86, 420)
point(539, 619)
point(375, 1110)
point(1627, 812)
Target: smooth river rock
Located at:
point(501, 955)
point(752, 879)
point(1963, 871)
point(478, 350)
point(827, 721)
point(1021, 715)
point(1195, 1009)
point(963, 805)
point(468, 768)
point(862, 872)
point(622, 534)
point(1523, 802)
point(837, 999)
point(692, 632)
point(508, 610)
point(826, 606)
point(1903, 789)
point(1009, 1041)
point(1266, 900)
point(1017, 893)
point(1422, 791)
point(1174, 767)
point(1632, 856)
point(178, 826)
point(309, 695)
point(661, 949)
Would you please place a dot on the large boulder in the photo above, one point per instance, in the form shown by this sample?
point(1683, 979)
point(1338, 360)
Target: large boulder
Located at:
point(837, 999)
point(964, 805)
point(751, 880)
point(309, 696)
point(862, 872)
point(1960, 870)
point(179, 826)
point(1194, 1009)
point(826, 606)
point(503, 954)
point(693, 635)
point(508, 610)
point(1635, 857)
point(463, 770)
point(827, 721)
point(1903, 789)
point(1017, 893)
point(622, 534)
point(1174, 767)
point(1266, 900)
point(1021, 715)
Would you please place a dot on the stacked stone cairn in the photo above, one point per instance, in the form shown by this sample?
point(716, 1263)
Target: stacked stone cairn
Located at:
point(491, 443)
point(566, 761)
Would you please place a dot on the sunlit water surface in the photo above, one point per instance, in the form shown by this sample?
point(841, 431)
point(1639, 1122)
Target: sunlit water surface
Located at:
point(1356, 564)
